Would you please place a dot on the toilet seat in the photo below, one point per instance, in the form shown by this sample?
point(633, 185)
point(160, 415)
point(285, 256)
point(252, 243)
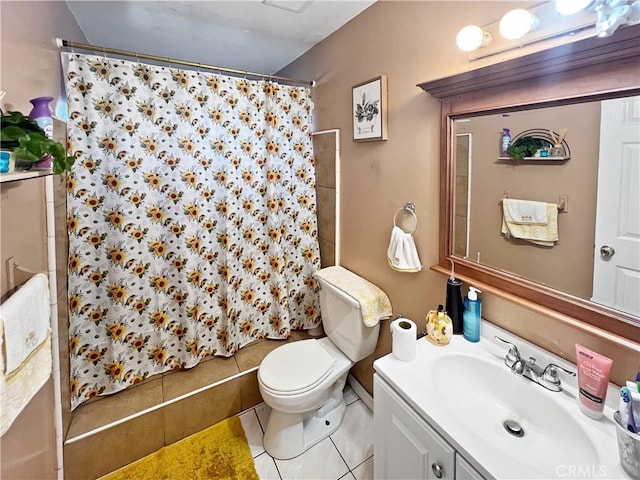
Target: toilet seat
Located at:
point(296, 367)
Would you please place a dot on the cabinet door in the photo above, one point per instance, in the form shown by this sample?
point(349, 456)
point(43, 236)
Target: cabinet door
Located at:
point(464, 470)
point(405, 447)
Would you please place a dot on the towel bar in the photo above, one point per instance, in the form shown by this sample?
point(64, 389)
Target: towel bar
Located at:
point(563, 202)
point(410, 208)
point(12, 266)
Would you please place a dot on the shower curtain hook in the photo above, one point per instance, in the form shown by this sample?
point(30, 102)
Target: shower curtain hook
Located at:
point(199, 66)
point(137, 58)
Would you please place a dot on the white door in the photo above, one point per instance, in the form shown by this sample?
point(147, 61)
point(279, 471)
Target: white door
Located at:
point(616, 272)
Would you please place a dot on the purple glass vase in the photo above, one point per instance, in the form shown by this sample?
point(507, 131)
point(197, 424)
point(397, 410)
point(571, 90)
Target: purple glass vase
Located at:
point(41, 114)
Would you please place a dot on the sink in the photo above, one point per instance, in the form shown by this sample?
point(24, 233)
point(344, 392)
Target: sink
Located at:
point(467, 394)
point(484, 395)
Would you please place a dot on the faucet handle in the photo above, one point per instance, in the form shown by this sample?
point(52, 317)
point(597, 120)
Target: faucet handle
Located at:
point(513, 354)
point(550, 373)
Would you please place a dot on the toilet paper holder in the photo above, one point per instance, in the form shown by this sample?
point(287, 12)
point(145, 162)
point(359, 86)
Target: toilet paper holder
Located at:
point(420, 334)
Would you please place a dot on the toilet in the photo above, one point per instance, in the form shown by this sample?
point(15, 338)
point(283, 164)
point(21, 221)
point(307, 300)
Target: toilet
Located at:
point(303, 381)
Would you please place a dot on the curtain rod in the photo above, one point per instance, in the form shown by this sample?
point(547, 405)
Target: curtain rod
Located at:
point(85, 46)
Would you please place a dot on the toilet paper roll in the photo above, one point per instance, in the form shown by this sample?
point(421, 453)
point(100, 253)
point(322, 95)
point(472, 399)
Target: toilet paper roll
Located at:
point(403, 333)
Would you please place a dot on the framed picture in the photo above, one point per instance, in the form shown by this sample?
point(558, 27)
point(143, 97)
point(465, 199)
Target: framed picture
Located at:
point(369, 110)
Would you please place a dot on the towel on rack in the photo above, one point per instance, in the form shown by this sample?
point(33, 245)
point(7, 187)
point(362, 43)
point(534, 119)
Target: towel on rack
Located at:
point(545, 235)
point(402, 254)
point(374, 303)
point(26, 317)
point(18, 388)
point(525, 212)
point(25, 346)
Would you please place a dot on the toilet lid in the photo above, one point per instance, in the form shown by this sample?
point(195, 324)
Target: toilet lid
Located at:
point(295, 366)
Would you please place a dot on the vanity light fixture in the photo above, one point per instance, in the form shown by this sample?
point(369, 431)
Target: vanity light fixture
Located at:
point(569, 7)
point(472, 37)
point(517, 23)
point(547, 25)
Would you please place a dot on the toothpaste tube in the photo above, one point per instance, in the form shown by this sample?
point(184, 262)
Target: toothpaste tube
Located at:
point(635, 402)
point(626, 413)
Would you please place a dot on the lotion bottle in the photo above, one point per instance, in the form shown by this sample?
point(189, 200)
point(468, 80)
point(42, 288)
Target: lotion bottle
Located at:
point(472, 315)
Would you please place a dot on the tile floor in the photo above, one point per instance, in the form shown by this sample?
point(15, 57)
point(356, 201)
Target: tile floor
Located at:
point(345, 455)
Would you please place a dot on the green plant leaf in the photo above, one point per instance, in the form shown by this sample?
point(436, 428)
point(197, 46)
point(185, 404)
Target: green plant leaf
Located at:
point(30, 143)
point(526, 147)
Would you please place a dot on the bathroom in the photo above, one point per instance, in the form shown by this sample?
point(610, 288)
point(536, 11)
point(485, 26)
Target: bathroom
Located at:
point(409, 42)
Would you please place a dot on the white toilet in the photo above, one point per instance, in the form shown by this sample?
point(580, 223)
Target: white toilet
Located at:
point(303, 381)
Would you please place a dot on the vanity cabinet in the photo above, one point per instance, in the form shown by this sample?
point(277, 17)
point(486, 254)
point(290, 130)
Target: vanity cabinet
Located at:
point(407, 447)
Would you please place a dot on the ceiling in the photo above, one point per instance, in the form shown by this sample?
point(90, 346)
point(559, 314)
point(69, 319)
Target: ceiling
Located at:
point(250, 35)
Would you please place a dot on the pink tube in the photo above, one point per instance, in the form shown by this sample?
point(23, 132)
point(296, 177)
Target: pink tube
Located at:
point(593, 380)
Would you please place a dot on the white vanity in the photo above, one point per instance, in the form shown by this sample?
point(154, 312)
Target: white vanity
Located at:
point(458, 412)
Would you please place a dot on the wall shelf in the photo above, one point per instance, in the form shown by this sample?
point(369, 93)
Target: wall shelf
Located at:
point(564, 158)
point(16, 176)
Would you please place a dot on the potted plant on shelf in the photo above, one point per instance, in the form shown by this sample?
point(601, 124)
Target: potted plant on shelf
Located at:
point(527, 147)
point(30, 144)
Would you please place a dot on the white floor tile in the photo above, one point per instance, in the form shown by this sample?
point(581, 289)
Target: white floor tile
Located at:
point(354, 438)
point(364, 471)
point(264, 412)
point(252, 431)
point(321, 462)
point(266, 467)
point(349, 395)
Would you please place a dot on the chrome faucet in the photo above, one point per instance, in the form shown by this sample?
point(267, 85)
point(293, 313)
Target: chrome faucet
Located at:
point(546, 377)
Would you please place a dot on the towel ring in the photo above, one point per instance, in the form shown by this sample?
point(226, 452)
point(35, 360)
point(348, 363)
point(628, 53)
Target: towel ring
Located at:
point(410, 208)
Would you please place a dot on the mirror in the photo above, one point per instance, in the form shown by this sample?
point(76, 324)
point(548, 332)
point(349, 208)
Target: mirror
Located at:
point(534, 91)
point(587, 181)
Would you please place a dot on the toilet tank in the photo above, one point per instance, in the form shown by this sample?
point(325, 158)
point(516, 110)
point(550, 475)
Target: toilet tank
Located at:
point(342, 322)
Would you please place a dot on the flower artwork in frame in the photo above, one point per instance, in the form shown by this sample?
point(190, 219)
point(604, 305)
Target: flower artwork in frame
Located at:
point(370, 110)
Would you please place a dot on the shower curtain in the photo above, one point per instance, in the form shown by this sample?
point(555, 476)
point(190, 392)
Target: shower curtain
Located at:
point(191, 218)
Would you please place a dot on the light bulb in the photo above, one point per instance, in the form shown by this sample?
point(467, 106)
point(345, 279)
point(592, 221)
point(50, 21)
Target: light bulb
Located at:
point(569, 7)
point(517, 23)
point(471, 38)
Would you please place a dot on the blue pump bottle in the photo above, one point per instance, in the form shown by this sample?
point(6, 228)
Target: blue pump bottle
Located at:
point(472, 315)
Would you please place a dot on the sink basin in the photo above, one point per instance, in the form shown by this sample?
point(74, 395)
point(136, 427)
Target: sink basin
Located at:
point(483, 394)
point(467, 394)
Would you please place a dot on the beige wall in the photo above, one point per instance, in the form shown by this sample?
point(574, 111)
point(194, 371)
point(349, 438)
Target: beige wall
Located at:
point(30, 68)
point(568, 266)
point(412, 42)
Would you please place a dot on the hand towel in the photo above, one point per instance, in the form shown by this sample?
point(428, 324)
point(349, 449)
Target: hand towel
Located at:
point(525, 212)
point(545, 235)
point(18, 388)
point(26, 317)
point(374, 303)
point(402, 254)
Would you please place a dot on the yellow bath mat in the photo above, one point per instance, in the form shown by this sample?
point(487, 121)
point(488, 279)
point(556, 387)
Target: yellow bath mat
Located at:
point(220, 452)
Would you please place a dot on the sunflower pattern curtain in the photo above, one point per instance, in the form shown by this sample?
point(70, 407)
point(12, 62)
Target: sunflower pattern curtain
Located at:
point(191, 218)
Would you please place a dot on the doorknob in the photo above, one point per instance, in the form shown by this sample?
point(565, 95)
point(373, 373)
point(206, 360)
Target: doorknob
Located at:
point(606, 252)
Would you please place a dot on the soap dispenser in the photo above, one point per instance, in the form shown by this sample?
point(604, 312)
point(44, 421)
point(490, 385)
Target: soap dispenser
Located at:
point(439, 327)
point(472, 315)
